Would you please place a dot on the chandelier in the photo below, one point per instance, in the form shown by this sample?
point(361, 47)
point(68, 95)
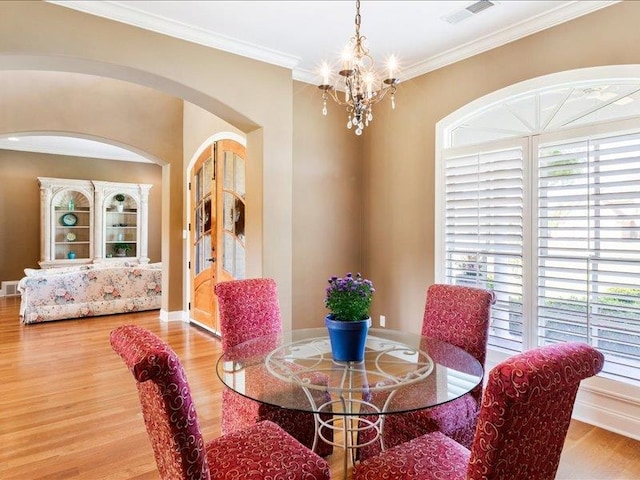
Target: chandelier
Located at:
point(361, 90)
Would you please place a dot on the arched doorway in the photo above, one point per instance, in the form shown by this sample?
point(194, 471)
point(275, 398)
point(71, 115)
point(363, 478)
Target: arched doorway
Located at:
point(216, 208)
point(193, 75)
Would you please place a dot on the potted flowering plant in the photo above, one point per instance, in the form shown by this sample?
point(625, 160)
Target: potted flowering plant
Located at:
point(349, 300)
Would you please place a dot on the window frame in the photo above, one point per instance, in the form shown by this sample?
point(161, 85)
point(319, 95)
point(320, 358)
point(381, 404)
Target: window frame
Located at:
point(530, 265)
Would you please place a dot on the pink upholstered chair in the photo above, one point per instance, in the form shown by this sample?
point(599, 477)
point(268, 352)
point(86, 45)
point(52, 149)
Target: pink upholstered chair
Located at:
point(524, 418)
point(249, 309)
point(460, 316)
point(172, 424)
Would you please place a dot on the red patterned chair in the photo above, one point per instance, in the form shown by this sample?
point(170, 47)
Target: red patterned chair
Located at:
point(524, 418)
point(262, 451)
point(460, 316)
point(249, 309)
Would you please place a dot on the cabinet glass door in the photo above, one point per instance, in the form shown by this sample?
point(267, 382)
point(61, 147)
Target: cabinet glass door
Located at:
point(72, 226)
point(121, 226)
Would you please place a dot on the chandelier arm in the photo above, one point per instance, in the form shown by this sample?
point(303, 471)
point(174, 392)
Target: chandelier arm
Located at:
point(383, 92)
point(333, 93)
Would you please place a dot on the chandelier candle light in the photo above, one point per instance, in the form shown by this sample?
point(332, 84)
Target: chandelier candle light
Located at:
point(358, 70)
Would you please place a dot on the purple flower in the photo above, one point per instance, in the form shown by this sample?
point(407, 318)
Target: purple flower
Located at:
point(349, 298)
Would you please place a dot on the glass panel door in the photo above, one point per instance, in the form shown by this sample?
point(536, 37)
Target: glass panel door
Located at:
point(234, 261)
point(203, 240)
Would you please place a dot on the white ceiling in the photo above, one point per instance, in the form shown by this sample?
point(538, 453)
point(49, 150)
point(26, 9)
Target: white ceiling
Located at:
point(300, 35)
point(69, 146)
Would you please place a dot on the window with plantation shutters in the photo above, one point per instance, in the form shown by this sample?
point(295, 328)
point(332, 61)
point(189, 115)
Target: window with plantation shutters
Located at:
point(537, 197)
point(563, 256)
point(588, 247)
point(483, 238)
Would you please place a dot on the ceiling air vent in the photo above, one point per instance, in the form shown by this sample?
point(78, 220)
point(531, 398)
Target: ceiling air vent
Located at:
point(468, 12)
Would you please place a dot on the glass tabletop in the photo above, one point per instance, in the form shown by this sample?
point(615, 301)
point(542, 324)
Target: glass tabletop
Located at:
point(400, 372)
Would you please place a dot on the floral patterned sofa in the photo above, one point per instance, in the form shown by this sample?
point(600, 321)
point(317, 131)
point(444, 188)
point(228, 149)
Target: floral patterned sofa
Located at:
point(89, 290)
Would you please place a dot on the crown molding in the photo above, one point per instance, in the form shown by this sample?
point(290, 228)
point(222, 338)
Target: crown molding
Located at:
point(126, 14)
point(137, 18)
point(559, 15)
point(515, 32)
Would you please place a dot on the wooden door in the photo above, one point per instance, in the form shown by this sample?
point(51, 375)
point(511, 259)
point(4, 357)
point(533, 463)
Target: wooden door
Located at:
point(202, 228)
point(216, 226)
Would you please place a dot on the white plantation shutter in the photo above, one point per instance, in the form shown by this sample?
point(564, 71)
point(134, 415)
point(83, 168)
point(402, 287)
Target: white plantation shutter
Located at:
point(483, 238)
point(588, 247)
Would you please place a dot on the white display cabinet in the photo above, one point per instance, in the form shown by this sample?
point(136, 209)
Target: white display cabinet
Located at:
point(122, 219)
point(67, 212)
point(83, 221)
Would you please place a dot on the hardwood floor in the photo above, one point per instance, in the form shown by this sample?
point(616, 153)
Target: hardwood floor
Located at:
point(70, 408)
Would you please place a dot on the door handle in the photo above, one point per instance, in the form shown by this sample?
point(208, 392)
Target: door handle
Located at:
point(212, 259)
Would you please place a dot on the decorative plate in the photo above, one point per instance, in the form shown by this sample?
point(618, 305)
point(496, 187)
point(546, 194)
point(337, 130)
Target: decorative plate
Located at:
point(71, 236)
point(68, 219)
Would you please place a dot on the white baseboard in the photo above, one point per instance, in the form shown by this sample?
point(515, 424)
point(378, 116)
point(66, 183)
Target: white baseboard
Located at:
point(176, 316)
point(615, 411)
point(603, 402)
point(183, 316)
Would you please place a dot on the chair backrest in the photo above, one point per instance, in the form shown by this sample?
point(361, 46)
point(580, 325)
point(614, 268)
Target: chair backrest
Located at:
point(526, 411)
point(248, 309)
point(167, 407)
point(459, 315)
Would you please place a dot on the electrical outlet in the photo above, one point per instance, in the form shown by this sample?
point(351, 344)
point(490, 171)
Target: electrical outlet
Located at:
point(383, 321)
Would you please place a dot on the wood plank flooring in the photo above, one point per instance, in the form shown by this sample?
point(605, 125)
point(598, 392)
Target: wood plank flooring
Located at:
point(69, 407)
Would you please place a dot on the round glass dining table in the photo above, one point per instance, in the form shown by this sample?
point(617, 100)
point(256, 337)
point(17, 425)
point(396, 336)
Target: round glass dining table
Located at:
point(401, 372)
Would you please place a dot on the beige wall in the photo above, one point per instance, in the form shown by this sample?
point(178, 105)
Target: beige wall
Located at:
point(327, 202)
point(399, 187)
point(20, 201)
point(307, 233)
point(122, 113)
point(43, 36)
point(199, 127)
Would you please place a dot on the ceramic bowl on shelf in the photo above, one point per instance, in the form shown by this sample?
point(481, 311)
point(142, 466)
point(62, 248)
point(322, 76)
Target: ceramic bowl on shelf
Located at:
point(68, 220)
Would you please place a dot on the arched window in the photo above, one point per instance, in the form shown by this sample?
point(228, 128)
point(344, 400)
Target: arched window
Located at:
point(539, 199)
